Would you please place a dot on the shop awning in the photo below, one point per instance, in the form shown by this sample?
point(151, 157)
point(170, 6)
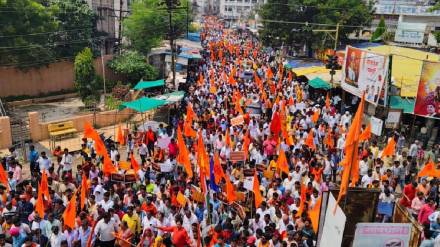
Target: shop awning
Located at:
point(171, 97)
point(143, 104)
point(149, 84)
point(309, 70)
point(407, 105)
point(319, 83)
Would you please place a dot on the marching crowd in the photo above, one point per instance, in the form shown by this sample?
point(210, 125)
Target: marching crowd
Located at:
point(232, 174)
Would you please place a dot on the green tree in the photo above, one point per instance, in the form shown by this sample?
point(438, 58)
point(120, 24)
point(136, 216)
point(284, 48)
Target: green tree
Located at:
point(148, 24)
point(380, 31)
point(296, 21)
point(77, 24)
point(86, 80)
point(24, 29)
point(133, 66)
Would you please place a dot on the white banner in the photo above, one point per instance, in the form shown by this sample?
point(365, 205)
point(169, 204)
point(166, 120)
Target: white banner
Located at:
point(364, 71)
point(376, 126)
point(334, 224)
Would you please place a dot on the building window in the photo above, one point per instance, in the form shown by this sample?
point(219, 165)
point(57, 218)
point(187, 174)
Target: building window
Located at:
point(246, 1)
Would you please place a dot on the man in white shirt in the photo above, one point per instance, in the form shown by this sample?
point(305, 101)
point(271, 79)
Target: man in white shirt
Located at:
point(143, 151)
point(106, 203)
point(113, 153)
point(367, 179)
point(66, 161)
point(188, 219)
point(363, 166)
point(56, 237)
point(104, 230)
point(44, 163)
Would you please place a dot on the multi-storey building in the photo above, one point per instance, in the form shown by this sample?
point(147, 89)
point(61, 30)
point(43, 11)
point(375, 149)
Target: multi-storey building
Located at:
point(234, 10)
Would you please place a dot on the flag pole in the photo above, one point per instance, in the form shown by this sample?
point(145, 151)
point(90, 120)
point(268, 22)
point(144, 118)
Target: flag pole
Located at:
point(351, 167)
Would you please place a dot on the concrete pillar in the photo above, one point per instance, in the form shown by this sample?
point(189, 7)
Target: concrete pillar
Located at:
point(5, 132)
point(34, 126)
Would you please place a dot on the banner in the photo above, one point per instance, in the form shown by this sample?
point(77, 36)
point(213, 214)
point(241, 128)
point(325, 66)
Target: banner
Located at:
point(364, 71)
point(334, 224)
point(382, 234)
point(428, 94)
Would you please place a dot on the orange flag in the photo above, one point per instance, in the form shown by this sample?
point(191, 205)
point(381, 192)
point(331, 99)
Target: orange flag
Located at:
point(134, 164)
point(120, 136)
point(4, 176)
point(314, 214)
point(39, 205)
point(202, 155)
point(69, 214)
point(309, 140)
point(246, 143)
point(315, 116)
point(327, 101)
point(351, 151)
point(291, 102)
point(257, 192)
point(108, 167)
point(366, 134)
point(282, 162)
point(188, 130)
point(218, 169)
point(389, 149)
point(232, 80)
point(227, 138)
point(190, 114)
point(44, 185)
point(84, 189)
point(230, 191)
point(429, 170)
point(183, 156)
point(303, 200)
point(181, 199)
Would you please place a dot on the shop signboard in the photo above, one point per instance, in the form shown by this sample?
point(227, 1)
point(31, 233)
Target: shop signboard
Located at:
point(382, 234)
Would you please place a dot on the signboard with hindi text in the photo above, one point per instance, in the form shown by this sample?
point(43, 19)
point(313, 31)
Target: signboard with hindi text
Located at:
point(382, 234)
point(237, 120)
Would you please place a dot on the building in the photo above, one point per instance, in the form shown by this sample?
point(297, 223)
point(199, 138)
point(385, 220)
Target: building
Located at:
point(410, 20)
point(110, 16)
point(236, 10)
point(205, 7)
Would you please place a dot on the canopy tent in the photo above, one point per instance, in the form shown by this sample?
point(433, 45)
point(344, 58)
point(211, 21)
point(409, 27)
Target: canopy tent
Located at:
point(319, 83)
point(143, 104)
point(171, 97)
point(310, 70)
point(149, 84)
point(407, 105)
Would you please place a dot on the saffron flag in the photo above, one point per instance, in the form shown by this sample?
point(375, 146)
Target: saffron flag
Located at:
point(389, 149)
point(303, 200)
point(310, 140)
point(282, 162)
point(269, 73)
point(183, 155)
point(181, 199)
point(257, 192)
point(227, 138)
point(120, 137)
point(69, 214)
point(329, 139)
point(314, 214)
point(429, 170)
point(230, 191)
point(351, 151)
point(315, 116)
point(366, 134)
point(134, 163)
point(39, 204)
point(84, 189)
point(275, 125)
point(108, 167)
point(246, 143)
point(218, 169)
point(44, 185)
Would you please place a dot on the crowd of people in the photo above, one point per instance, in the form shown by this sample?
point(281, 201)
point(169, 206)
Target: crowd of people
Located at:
point(232, 174)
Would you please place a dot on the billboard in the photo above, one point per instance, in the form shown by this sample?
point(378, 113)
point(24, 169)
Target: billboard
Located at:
point(382, 234)
point(428, 93)
point(365, 71)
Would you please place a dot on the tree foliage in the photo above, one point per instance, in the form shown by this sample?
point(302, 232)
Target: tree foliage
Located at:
point(294, 21)
point(86, 80)
point(133, 66)
point(149, 22)
point(380, 31)
point(37, 32)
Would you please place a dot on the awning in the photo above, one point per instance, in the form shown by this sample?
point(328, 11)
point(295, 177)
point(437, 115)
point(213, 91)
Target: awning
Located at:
point(143, 104)
point(319, 83)
point(171, 97)
point(310, 70)
point(407, 105)
point(149, 84)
